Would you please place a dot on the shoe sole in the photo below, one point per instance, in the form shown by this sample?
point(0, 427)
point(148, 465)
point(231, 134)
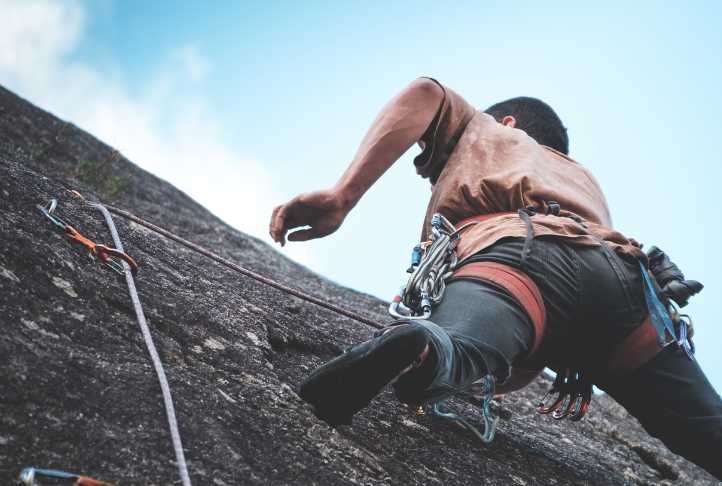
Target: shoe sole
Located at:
point(346, 384)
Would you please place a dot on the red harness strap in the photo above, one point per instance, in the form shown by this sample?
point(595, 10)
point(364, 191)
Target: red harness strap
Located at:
point(518, 284)
point(639, 347)
point(636, 349)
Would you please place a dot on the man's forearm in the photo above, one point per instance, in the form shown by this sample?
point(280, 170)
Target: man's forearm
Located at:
point(400, 124)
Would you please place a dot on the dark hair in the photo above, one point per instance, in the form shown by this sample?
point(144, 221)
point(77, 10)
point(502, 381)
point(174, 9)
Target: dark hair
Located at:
point(536, 118)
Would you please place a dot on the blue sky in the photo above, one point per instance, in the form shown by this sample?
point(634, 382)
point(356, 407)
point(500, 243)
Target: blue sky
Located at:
point(245, 104)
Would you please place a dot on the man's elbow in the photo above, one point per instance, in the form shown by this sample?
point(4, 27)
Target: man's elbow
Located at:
point(427, 90)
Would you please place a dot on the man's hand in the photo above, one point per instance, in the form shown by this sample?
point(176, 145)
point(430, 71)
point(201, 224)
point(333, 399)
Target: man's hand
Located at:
point(401, 123)
point(322, 211)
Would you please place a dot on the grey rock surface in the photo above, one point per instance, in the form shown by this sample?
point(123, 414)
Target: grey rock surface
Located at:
point(78, 392)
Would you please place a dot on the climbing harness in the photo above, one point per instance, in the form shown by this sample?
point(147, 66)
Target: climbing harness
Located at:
point(28, 475)
point(573, 395)
point(432, 263)
point(110, 257)
point(526, 213)
point(570, 394)
point(573, 391)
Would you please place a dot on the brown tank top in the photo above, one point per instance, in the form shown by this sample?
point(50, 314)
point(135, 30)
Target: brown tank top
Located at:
point(479, 166)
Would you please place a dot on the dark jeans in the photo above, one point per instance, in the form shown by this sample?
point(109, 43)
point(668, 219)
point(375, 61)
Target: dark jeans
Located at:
point(594, 299)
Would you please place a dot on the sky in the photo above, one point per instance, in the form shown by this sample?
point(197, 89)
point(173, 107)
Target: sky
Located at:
point(243, 105)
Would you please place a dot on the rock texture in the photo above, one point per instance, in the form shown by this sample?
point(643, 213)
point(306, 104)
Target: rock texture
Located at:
point(77, 390)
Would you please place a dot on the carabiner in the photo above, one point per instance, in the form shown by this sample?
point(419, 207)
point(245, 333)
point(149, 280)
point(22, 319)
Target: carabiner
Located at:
point(48, 212)
point(490, 419)
point(558, 387)
point(685, 329)
point(571, 387)
point(574, 394)
point(582, 404)
point(107, 256)
point(28, 475)
point(565, 407)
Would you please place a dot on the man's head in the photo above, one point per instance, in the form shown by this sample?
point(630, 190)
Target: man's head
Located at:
point(536, 118)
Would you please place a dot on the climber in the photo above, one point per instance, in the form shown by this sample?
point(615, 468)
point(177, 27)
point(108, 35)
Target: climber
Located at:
point(543, 279)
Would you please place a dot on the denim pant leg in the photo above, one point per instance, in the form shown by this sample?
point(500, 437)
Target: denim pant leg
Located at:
point(673, 400)
point(488, 329)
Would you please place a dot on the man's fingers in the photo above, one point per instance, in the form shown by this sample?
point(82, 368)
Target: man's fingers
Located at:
point(278, 224)
point(271, 223)
point(303, 235)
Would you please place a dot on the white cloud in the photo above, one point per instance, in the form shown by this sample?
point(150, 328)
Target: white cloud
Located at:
point(192, 62)
point(35, 35)
point(167, 128)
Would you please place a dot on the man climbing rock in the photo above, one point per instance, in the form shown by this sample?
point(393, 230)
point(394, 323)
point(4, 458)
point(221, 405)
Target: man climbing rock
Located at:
point(540, 277)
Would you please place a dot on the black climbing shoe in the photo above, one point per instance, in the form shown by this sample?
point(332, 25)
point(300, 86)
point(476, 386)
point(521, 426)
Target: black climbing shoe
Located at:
point(347, 383)
point(412, 387)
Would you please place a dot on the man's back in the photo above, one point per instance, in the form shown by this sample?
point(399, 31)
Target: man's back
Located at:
point(493, 168)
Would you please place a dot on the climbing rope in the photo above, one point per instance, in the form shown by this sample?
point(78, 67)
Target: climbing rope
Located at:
point(157, 364)
point(129, 267)
point(244, 271)
point(426, 277)
point(431, 265)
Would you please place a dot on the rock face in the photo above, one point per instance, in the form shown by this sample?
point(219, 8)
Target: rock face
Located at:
point(77, 390)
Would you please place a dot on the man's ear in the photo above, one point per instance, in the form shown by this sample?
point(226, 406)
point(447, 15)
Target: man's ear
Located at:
point(508, 121)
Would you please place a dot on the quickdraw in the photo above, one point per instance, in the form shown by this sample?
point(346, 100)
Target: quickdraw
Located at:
point(484, 390)
point(110, 257)
point(685, 325)
point(573, 395)
point(432, 262)
point(664, 318)
point(28, 475)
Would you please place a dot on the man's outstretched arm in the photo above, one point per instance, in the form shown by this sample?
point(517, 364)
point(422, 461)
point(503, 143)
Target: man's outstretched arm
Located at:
point(401, 123)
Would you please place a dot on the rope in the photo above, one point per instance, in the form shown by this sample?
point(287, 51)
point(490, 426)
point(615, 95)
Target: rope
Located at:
point(157, 364)
point(244, 271)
